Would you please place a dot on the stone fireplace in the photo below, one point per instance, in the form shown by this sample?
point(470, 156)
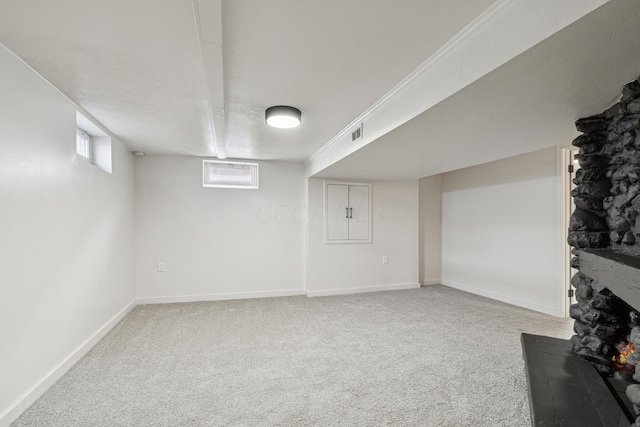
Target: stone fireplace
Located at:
point(604, 233)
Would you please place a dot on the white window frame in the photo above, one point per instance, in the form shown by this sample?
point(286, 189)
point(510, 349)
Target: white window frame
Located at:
point(98, 145)
point(84, 154)
point(253, 167)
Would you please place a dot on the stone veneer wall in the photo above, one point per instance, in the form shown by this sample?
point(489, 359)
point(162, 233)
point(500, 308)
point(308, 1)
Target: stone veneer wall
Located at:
point(607, 216)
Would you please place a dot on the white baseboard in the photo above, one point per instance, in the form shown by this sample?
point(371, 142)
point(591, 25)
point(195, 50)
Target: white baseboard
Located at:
point(56, 373)
point(431, 282)
point(38, 390)
point(553, 311)
point(218, 297)
point(346, 291)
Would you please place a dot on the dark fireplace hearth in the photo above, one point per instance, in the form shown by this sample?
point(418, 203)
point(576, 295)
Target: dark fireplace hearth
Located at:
point(604, 232)
point(567, 391)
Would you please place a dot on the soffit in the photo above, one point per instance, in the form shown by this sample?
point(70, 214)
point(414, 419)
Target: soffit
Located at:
point(528, 104)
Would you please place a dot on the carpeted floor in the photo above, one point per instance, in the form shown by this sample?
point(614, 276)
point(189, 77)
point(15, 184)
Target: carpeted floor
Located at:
point(426, 357)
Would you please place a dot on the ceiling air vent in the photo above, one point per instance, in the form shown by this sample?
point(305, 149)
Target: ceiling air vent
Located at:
point(357, 133)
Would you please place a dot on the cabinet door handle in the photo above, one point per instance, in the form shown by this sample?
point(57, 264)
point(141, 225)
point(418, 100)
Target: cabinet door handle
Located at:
point(347, 213)
point(351, 213)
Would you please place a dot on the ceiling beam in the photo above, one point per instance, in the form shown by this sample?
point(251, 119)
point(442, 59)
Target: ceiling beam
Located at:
point(208, 16)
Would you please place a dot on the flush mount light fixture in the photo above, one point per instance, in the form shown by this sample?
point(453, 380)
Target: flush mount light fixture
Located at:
point(282, 116)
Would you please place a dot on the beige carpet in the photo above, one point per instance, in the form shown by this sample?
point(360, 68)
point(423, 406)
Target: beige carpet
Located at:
point(425, 357)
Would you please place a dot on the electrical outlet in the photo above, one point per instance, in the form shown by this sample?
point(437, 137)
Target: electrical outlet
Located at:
point(385, 260)
point(161, 267)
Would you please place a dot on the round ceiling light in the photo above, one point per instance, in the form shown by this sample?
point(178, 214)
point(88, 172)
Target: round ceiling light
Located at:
point(282, 116)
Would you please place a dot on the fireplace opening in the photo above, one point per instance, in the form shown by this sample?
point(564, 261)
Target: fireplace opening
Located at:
point(622, 363)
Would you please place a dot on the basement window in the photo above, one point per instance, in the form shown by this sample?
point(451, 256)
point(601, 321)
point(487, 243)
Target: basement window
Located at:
point(83, 144)
point(92, 143)
point(223, 174)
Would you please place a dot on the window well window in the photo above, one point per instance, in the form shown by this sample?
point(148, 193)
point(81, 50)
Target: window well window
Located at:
point(92, 143)
point(226, 174)
point(83, 144)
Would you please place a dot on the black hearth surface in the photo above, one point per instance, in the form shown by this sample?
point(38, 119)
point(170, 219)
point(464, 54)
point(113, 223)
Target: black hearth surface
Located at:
point(567, 391)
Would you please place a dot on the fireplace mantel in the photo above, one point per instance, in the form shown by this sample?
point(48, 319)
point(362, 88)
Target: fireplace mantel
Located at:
point(620, 272)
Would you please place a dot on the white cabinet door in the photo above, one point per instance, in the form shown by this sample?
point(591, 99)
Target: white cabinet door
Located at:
point(347, 213)
point(358, 212)
point(337, 212)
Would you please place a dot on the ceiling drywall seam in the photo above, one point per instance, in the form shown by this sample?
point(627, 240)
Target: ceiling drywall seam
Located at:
point(208, 22)
point(505, 30)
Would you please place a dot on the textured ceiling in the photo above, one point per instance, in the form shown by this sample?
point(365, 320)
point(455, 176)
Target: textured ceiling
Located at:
point(194, 77)
point(332, 59)
point(134, 65)
point(148, 69)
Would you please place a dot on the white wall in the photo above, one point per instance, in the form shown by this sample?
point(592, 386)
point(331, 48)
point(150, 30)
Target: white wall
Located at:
point(430, 213)
point(66, 227)
point(347, 268)
point(501, 231)
point(217, 243)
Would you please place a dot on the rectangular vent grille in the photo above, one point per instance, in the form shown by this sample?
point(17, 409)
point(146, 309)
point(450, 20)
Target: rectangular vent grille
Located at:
point(356, 134)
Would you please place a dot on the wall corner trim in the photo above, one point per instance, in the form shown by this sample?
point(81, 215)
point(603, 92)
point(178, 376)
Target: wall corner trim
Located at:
point(56, 373)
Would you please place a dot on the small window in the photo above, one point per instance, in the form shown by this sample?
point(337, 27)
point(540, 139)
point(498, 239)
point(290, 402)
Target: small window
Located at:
point(83, 144)
point(92, 143)
point(229, 174)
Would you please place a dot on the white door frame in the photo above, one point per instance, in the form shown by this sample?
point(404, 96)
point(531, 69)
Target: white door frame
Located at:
point(567, 207)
